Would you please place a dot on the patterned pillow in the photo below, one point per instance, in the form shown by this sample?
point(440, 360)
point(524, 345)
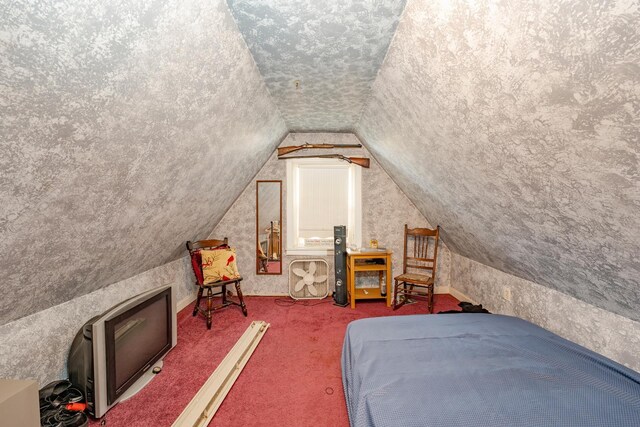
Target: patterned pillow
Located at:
point(196, 262)
point(219, 265)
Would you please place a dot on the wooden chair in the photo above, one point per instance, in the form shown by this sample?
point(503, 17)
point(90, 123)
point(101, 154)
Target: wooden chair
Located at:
point(417, 258)
point(196, 262)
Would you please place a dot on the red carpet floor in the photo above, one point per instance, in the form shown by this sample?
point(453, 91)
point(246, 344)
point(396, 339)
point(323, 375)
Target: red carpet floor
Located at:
point(292, 379)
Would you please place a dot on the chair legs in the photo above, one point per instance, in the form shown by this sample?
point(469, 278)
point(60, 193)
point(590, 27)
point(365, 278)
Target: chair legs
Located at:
point(405, 292)
point(243, 306)
point(226, 301)
point(430, 299)
point(395, 296)
point(195, 308)
point(209, 306)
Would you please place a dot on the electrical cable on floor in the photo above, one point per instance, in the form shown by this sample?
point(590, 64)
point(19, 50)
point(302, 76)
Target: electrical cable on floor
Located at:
point(289, 302)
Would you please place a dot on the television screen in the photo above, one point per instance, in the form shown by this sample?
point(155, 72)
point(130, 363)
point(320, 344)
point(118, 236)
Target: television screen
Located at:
point(134, 340)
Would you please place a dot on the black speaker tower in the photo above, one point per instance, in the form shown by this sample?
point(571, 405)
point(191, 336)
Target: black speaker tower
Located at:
point(340, 250)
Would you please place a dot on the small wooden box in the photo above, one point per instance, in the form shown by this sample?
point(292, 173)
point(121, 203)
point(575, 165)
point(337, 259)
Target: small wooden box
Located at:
point(19, 403)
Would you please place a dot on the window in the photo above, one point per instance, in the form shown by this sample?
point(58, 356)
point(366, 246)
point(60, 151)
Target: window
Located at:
point(321, 193)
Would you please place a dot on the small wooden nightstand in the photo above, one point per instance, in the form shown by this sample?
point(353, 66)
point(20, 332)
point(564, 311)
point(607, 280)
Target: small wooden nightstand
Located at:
point(366, 260)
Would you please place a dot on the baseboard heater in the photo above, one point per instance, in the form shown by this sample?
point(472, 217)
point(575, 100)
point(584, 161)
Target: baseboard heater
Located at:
point(206, 402)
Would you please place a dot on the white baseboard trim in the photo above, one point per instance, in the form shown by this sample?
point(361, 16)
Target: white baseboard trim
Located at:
point(265, 295)
point(460, 296)
point(186, 301)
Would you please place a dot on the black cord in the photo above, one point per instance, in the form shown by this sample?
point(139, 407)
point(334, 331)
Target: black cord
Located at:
point(289, 302)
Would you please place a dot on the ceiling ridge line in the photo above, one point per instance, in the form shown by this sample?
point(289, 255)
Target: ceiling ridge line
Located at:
point(271, 153)
point(371, 153)
point(255, 65)
point(384, 60)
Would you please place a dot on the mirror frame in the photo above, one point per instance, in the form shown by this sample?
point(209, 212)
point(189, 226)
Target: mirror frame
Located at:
point(258, 272)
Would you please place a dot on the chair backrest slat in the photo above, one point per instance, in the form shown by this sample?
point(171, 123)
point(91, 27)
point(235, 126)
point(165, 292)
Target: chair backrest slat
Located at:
point(202, 244)
point(420, 258)
point(424, 267)
point(410, 258)
point(422, 231)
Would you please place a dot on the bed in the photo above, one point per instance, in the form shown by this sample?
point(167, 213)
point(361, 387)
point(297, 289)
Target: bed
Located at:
point(479, 370)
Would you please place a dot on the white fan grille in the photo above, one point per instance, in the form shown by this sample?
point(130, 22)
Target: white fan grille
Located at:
point(308, 279)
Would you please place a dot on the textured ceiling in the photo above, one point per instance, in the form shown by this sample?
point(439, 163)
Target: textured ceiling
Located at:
point(333, 48)
point(126, 130)
point(516, 126)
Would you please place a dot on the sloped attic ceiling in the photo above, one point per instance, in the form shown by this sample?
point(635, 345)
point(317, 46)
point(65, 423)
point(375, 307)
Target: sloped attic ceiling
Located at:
point(516, 126)
point(127, 129)
point(332, 49)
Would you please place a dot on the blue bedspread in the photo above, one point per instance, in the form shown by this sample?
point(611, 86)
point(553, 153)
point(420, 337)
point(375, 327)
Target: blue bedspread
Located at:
point(479, 370)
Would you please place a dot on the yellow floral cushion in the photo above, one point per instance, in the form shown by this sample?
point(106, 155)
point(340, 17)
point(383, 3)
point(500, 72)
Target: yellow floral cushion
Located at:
point(219, 264)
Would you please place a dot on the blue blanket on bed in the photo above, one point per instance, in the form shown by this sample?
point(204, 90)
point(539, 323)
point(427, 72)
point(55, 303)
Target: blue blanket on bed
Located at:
point(479, 370)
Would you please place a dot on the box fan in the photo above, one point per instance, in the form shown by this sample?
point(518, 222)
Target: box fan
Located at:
point(308, 279)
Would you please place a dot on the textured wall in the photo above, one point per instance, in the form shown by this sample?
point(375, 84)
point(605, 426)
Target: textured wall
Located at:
point(612, 335)
point(334, 48)
point(385, 210)
point(36, 346)
point(516, 126)
point(126, 130)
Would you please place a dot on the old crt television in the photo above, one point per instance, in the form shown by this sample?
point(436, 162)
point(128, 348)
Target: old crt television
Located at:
point(113, 355)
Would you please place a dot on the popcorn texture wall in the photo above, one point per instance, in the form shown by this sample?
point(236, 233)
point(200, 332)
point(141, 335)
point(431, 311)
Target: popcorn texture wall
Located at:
point(602, 331)
point(516, 126)
point(124, 128)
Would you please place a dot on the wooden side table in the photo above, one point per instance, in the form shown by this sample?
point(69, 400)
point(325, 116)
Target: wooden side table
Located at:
point(366, 260)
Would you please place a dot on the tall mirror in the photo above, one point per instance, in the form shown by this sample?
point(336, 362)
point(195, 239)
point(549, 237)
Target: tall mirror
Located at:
point(268, 225)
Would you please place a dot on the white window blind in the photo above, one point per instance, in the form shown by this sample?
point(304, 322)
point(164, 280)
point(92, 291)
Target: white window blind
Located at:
point(324, 198)
point(321, 193)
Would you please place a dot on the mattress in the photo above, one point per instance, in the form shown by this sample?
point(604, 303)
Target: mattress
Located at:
point(479, 370)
